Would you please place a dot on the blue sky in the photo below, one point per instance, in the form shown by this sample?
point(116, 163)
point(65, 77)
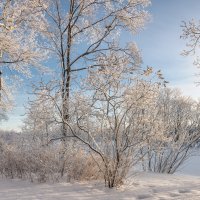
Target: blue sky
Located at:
point(160, 46)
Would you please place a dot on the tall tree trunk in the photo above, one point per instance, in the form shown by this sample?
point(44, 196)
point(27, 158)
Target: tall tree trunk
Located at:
point(66, 82)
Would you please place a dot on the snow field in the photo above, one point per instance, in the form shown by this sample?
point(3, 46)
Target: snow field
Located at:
point(142, 186)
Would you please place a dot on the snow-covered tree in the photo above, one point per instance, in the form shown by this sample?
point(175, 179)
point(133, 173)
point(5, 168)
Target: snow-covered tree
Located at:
point(5, 100)
point(19, 48)
point(104, 117)
point(80, 32)
point(18, 39)
point(191, 33)
point(40, 121)
point(175, 119)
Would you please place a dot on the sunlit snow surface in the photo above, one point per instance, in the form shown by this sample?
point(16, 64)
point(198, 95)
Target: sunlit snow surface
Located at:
point(191, 166)
point(184, 185)
point(142, 186)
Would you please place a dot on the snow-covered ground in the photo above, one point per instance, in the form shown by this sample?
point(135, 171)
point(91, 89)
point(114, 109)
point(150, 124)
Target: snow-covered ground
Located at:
point(191, 166)
point(184, 185)
point(142, 186)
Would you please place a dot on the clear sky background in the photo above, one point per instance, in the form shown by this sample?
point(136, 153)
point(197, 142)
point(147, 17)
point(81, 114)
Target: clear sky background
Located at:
point(160, 46)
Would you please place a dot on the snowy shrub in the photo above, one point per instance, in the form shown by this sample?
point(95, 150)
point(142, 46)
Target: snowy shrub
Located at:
point(81, 166)
point(43, 164)
point(176, 120)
